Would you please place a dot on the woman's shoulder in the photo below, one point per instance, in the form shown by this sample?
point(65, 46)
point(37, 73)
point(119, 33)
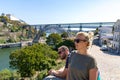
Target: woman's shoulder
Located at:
point(91, 58)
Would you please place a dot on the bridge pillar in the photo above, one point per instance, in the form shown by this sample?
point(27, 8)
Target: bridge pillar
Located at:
point(35, 30)
point(100, 25)
point(80, 28)
point(29, 32)
point(69, 31)
point(69, 28)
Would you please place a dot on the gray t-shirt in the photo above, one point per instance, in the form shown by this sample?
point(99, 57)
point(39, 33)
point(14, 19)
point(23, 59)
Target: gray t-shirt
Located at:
point(80, 65)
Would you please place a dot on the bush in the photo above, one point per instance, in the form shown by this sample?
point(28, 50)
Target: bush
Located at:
point(5, 74)
point(33, 58)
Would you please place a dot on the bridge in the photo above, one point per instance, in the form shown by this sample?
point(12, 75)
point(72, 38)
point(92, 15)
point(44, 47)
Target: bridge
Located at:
point(68, 27)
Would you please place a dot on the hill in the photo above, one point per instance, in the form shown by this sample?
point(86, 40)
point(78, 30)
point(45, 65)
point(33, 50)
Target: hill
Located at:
point(14, 30)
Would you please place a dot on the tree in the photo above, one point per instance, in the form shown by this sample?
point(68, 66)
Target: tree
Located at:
point(96, 31)
point(33, 58)
point(64, 35)
point(54, 39)
point(5, 74)
point(68, 42)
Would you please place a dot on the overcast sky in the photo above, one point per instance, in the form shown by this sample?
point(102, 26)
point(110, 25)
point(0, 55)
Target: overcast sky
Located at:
point(62, 11)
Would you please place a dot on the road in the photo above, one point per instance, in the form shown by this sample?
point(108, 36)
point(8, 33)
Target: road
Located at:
point(108, 64)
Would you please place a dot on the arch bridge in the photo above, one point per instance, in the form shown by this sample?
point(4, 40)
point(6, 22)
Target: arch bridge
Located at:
point(68, 27)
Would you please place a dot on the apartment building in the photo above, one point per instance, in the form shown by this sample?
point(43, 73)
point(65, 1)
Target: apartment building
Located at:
point(116, 37)
point(105, 35)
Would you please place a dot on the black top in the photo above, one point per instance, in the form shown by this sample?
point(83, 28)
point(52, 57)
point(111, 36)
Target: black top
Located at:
point(67, 61)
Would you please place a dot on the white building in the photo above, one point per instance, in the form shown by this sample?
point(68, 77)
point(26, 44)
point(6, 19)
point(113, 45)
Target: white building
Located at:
point(105, 34)
point(13, 18)
point(116, 37)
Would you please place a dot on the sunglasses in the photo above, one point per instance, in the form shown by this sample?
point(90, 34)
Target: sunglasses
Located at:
point(78, 40)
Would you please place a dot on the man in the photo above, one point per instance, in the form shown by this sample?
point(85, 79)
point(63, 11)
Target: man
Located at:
point(60, 74)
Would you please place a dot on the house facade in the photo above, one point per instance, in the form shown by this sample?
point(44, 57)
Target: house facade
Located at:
point(116, 37)
point(105, 35)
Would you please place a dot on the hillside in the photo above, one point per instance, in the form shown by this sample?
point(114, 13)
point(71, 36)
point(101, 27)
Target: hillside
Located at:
point(13, 30)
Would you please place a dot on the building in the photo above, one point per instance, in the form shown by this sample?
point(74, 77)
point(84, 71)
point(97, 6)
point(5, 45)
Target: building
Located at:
point(105, 35)
point(13, 18)
point(116, 37)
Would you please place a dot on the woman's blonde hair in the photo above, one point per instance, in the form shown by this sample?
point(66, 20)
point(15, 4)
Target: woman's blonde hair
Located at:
point(86, 35)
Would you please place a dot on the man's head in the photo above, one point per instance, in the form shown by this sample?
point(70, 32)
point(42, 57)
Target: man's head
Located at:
point(63, 51)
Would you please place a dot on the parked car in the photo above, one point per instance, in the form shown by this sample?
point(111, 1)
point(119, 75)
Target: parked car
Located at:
point(104, 48)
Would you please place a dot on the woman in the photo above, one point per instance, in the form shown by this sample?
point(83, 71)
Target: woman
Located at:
point(82, 66)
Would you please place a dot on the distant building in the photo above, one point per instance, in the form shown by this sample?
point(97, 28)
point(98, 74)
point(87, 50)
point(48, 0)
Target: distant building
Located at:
point(116, 37)
point(13, 18)
point(105, 35)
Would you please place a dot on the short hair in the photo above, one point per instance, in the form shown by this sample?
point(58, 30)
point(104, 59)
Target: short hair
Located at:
point(63, 48)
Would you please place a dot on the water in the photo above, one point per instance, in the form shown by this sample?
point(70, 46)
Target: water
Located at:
point(4, 57)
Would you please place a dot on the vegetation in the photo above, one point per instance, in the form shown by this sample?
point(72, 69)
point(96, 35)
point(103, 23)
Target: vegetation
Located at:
point(68, 42)
point(14, 31)
point(33, 58)
point(8, 75)
point(54, 39)
point(44, 73)
point(64, 35)
point(96, 31)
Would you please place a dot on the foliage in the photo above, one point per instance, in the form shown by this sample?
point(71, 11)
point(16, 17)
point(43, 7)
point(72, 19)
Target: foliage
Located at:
point(2, 41)
point(96, 31)
point(4, 19)
point(44, 73)
point(8, 75)
point(54, 39)
point(67, 42)
point(16, 27)
point(5, 74)
point(33, 58)
point(10, 40)
point(64, 35)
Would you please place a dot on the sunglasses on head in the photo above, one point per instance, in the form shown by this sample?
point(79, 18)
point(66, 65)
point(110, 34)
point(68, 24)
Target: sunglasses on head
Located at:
point(78, 40)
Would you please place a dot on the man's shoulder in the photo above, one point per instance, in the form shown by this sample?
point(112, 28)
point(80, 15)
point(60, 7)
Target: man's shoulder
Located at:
point(72, 52)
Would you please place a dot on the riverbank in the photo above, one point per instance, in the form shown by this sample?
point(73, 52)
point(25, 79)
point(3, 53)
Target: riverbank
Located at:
point(18, 44)
point(10, 45)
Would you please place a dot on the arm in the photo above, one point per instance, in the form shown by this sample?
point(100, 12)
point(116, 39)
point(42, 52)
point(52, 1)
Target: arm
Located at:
point(60, 73)
point(93, 74)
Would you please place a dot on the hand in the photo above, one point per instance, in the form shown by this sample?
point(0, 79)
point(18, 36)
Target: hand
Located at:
point(51, 72)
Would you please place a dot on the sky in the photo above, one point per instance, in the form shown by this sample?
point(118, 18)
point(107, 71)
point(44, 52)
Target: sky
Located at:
point(62, 11)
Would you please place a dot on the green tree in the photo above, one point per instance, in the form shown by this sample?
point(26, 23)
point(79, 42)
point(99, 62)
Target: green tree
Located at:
point(96, 31)
point(5, 74)
point(54, 39)
point(68, 42)
point(4, 19)
point(33, 58)
point(64, 35)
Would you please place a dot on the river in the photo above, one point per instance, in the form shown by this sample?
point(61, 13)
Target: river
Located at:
point(4, 57)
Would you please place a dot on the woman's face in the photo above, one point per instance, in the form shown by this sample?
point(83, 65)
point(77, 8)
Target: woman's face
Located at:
point(80, 42)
